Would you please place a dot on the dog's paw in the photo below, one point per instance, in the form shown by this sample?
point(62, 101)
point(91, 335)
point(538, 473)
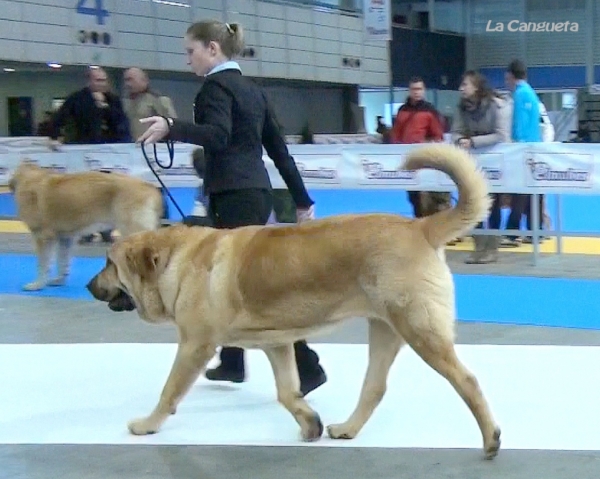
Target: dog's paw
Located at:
point(491, 449)
point(313, 429)
point(34, 286)
point(58, 281)
point(340, 431)
point(143, 426)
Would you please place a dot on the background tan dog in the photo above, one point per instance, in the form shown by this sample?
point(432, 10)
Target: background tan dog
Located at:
point(261, 287)
point(58, 208)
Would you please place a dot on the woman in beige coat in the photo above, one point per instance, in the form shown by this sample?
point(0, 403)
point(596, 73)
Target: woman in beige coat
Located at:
point(482, 119)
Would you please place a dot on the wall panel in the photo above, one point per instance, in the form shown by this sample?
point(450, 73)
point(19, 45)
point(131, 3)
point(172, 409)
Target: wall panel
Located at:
point(289, 41)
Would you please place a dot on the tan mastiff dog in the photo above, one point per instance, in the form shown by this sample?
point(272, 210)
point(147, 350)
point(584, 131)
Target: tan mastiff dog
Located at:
point(59, 207)
point(265, 287)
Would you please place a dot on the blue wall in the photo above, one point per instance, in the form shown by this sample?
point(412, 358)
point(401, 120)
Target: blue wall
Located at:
point(544, 77)
point(412, 52)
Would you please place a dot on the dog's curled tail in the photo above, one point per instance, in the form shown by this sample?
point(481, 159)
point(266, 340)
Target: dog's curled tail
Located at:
point(473, 201)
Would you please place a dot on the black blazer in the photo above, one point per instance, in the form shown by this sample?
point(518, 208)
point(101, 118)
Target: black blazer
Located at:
point(81, 109)
point(233, 121)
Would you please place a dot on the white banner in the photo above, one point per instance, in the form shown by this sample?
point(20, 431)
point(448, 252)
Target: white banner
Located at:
point(562, 169)
point(510, 168)
point(377, 16)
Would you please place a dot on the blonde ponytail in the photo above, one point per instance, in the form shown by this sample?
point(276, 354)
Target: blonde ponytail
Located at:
point(229, 36)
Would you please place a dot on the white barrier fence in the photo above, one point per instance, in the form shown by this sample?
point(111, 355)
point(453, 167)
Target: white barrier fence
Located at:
point(529, 168)
point(559, 168)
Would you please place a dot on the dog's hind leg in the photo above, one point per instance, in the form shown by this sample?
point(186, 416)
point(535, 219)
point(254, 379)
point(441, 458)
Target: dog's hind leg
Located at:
point(287, 380)
point(65, 244)
point(44, 246)
point(427, 328)
point(384, 345)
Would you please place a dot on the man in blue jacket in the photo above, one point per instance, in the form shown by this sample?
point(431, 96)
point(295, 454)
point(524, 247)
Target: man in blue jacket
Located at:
point(525, 128)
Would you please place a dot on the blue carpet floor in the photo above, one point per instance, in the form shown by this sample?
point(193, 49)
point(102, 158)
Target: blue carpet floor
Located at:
point(492, 299)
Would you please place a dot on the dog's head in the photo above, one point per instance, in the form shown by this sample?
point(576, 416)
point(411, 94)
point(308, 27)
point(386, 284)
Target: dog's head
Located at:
point(26, 169)
point(130, 277)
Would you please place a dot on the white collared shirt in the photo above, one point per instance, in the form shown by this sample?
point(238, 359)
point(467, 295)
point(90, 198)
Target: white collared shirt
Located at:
point(228, 65)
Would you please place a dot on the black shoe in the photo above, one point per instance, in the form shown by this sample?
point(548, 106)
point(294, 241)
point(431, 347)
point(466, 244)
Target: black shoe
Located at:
point(309, 383)
point(86, 239)
point(221, 374)
point(106, 236)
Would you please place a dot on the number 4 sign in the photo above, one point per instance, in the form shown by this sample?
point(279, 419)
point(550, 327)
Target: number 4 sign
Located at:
point(98, 11)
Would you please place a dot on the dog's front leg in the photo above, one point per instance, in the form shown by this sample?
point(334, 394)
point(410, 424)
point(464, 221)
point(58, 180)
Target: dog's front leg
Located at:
point(189, 362)
point(283, 362)
point(44, 246)
point(65, 244)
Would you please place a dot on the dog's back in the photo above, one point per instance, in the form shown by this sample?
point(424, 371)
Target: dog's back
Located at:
point(72, 202)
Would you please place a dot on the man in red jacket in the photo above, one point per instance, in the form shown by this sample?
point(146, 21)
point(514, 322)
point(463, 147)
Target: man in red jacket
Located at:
point(417, 121)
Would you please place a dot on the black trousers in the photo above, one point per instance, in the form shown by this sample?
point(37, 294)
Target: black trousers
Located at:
point(495, 217)
point(517, 208)
point(527, 212)
point(413, 197)
point(233, 209)
point(521, 205)
point(495, 213)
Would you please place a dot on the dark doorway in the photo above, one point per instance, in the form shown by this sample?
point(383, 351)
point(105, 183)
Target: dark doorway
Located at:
point(20, 116)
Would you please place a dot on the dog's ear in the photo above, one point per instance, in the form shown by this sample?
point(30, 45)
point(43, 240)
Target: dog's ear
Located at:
point(142, 261)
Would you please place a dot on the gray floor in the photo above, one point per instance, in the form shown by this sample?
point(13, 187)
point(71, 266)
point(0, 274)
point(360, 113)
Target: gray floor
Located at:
point(49, 320)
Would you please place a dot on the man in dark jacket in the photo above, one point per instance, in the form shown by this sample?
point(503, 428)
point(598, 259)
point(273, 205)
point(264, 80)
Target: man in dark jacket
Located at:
point(95, 114)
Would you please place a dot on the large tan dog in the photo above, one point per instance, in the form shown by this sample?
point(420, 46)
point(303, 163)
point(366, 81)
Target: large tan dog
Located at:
point(266, 287)
point(58, 208)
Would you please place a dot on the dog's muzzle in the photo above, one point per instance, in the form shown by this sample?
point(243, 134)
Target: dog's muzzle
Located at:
point(119, 302)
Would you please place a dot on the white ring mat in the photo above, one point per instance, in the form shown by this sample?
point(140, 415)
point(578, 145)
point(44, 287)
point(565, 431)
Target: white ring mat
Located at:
point(543, 397)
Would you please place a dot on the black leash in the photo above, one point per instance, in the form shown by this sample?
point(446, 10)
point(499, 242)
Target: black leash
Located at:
point(164, 190)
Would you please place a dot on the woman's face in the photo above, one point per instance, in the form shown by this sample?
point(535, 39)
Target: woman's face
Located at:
point(201, 58)
point(467, 88)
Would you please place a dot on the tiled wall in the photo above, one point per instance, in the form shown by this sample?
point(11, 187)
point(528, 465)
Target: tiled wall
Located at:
point(290, 41)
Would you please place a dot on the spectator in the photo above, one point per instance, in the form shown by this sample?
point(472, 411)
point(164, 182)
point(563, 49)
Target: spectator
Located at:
point(482, 119)
point(547, 134)
point(93, 115)
point(96, 114)
point(417, 121)
point(142, 102)
point(44, 127)
point(525, 128)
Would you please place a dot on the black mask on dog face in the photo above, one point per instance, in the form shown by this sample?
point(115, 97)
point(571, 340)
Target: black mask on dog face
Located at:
point(121, 302)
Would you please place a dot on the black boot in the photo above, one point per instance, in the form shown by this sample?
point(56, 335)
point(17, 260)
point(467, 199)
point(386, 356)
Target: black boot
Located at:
point(106, 236)
point(232, 367)
point(312, 375)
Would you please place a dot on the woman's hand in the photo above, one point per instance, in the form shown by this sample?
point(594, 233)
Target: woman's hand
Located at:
point(157, 130)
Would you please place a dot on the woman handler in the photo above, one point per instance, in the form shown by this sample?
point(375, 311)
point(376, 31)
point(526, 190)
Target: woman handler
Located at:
point(233, 121)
